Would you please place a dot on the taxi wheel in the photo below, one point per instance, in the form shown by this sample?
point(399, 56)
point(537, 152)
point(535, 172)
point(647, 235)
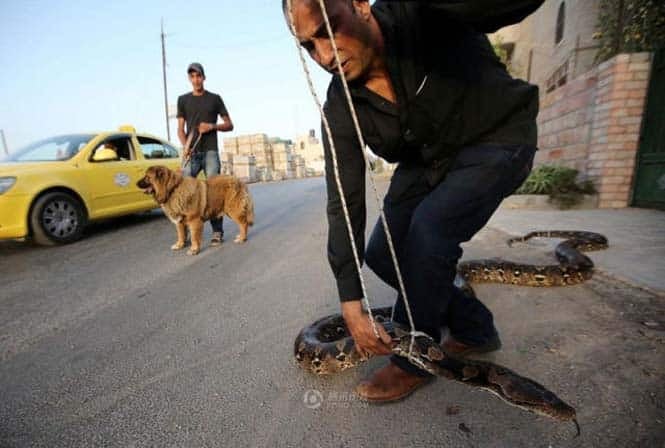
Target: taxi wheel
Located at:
point(57, 218)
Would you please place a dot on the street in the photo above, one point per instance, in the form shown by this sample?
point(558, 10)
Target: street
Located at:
point(118, 341)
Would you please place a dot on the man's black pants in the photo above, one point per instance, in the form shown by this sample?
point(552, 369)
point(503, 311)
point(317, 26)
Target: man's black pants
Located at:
point(428, 223)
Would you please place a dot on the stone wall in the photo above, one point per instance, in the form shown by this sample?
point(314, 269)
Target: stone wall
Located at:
point(593, 124)
point(257, 145)
point(244, 168)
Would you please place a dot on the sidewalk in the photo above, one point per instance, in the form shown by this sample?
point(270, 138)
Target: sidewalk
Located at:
point(636, 252)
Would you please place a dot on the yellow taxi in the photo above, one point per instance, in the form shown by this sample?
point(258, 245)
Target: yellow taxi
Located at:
point(51, 189)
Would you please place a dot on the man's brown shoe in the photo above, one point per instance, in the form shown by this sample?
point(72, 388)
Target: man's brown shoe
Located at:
point(390, 383)
point(454, 347)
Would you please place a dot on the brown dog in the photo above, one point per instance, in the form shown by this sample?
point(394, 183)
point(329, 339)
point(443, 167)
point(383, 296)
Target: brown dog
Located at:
point(189, 202)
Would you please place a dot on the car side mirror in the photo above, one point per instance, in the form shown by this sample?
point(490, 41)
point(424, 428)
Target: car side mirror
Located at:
point(105, 155)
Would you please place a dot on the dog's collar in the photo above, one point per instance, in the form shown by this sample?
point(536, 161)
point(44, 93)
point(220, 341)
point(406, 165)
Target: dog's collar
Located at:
point(178, 182)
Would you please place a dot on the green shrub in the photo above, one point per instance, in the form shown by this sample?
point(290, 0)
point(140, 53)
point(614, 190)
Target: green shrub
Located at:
point(559, 182)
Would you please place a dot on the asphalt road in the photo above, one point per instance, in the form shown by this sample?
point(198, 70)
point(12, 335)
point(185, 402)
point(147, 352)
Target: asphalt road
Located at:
point(117, 341)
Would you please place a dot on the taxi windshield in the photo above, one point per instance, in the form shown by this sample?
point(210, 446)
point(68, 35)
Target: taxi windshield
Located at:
point(52, 149)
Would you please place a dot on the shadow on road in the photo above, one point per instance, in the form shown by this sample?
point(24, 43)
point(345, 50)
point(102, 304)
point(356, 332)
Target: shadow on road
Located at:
point(94, 229)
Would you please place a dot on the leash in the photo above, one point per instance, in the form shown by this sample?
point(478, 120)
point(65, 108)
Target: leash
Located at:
point(189, 151)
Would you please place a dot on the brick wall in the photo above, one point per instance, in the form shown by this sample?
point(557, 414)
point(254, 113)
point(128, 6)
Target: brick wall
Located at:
point(622, 88)
point(593, 124)
point(565, 123)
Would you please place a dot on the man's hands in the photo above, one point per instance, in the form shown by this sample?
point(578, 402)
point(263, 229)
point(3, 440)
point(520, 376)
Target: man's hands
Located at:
point(207, 127)
point(360, 327)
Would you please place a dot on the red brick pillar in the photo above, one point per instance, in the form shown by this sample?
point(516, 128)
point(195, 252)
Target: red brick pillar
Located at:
point(615, 129)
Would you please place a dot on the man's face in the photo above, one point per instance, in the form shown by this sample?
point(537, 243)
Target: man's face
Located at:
point(350, 25)
point(196, 79)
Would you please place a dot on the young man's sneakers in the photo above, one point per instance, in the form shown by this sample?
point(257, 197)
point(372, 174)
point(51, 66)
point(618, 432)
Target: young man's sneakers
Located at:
point(217, 238)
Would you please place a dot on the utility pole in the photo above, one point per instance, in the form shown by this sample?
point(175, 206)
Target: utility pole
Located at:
point(166, 97)
point(4, 142)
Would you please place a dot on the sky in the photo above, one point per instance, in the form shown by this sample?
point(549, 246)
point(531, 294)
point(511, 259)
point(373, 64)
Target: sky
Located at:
point(78, 66)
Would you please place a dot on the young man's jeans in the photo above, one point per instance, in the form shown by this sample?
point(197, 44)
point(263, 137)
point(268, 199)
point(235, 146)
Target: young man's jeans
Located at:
point(428, 223)
point(208, 162)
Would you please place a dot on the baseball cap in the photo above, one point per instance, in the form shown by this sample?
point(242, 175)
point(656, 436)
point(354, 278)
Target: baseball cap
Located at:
point(195, 67)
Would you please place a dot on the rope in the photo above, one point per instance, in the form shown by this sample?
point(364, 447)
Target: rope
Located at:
point(338, 180)
point(361, 141)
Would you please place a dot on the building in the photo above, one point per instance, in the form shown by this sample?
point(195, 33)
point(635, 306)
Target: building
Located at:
point(301, 167)
point(553, 44)
point(591, 115)
point(309, 147)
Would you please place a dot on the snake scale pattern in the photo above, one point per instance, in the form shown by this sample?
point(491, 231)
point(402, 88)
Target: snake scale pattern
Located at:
point(326, 347)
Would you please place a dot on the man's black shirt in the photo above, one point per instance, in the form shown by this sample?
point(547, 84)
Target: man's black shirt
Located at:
point(452, 91)
point(201, 109)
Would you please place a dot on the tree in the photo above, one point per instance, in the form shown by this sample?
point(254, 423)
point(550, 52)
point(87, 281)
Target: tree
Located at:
point(628, 26)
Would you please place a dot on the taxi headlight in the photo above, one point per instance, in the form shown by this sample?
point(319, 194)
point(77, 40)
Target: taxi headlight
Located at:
point(6, 183)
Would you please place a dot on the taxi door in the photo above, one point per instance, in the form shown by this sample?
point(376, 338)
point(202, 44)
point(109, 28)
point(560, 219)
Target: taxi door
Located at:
point(113, 182)
point(155, 152)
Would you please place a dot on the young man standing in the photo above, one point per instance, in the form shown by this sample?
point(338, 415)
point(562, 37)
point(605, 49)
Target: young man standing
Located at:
point(197, 118)
point(430, 94)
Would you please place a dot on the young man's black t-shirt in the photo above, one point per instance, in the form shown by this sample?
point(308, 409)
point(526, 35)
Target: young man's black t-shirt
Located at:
point(201, 109)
